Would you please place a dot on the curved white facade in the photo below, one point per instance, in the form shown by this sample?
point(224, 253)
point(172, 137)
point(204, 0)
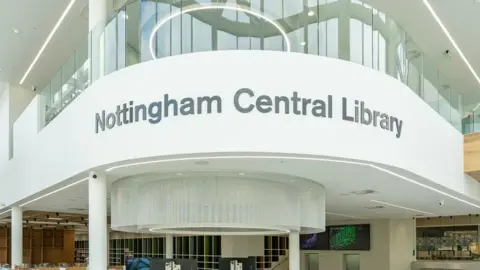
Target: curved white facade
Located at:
point(319, 104)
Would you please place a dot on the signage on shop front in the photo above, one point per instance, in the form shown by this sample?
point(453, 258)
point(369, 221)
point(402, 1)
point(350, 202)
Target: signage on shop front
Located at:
point(247, 101)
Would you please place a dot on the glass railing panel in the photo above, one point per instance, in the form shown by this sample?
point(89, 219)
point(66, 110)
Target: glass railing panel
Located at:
point(414, 66)
point(110, 45)
point(471, 123)
point(47, 97)
point(97, 53)
point(132, 33)
point(456, 103)
point(430, 84)
point(56, 92)
point(81, 68)
point(68, 81)
point(348, 29)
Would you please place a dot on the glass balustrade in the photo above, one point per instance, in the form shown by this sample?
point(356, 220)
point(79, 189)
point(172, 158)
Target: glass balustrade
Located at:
point(351, 30)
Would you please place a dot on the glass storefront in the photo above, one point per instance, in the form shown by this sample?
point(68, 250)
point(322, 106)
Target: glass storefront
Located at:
point(346, 29)
point(448, 243)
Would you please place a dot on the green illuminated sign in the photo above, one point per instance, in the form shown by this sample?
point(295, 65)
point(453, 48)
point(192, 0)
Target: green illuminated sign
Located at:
point(341, 237)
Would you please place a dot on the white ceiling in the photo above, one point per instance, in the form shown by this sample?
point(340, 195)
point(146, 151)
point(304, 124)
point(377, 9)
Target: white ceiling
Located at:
point(18, 50)
point(35, 20)
point(401, 198)
point(461, 18)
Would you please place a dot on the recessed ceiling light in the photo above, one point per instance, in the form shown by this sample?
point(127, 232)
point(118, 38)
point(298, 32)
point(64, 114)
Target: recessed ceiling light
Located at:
point(311, 13)
point(343, 215)
point(403, 207)
point(15, 30)
point(451, 39)
point(49, 37)
point(179, 174)
point(202, 162)
point(241, 174)
point(303, 43)
point(363, 192)
point(375, 207)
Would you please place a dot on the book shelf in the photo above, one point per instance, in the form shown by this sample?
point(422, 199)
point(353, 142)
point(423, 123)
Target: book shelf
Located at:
point(40, 245)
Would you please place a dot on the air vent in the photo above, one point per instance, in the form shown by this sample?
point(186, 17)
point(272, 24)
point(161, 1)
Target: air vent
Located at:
point(375, 207)
point(77, 209)
point(363, 192)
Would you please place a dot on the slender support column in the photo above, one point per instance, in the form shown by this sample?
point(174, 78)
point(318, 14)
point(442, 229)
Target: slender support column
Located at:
point(17, 236)
point(169, 246)
point(97, 20)
point(97, 222)
point(294, 251)
point(97, 12)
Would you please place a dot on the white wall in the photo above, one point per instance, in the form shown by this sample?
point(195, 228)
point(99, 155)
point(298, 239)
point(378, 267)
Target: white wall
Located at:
point(4, 128)
point(20, 98)
point(392, 245)
point(69, 145)
point(242, 246)
point(13, 101)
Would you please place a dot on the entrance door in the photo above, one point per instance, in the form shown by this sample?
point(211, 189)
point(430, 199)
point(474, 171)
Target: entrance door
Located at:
point(313, 261)
point(351, 261)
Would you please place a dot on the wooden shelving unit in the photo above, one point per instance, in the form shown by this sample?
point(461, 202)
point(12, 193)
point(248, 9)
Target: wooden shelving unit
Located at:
point(40, 246)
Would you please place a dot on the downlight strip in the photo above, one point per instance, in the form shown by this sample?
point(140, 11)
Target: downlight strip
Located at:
point(402, 207)
point(297, 158)
point(450, 38)
point(213, 7)
point(49, 38)
point(48, 194)
point(53, 192)
point(268, 157)
point(343, 215)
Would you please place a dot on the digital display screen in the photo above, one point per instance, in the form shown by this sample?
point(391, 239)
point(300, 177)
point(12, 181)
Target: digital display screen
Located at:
point(314, 241)
point(349, 237)
point(344, 237)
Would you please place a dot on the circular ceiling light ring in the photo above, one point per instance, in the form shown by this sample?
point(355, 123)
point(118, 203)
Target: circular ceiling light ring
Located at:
point(214, 7)
point(218, 229)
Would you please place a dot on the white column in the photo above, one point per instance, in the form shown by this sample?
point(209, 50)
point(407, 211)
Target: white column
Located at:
point(17, 236)
point(294, 250)
point(97, 20)
point(97, 12)
point(97, 222)
point(169, 246)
